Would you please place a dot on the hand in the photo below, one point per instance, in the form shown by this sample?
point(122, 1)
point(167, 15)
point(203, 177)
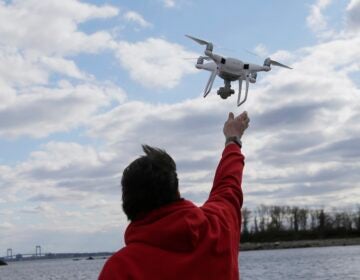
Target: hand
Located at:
point(236, 126)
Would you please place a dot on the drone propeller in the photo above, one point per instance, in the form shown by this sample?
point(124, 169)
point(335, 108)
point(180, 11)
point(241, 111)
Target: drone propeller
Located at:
point(203, 57)
point(199, 41)
point(273, 62)
point(269, 62)
point(252, 53)
point(209, 45)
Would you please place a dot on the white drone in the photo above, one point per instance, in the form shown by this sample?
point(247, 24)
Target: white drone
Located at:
point(230, 69)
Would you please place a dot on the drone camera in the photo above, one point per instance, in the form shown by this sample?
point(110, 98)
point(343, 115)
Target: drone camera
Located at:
point(225, 92)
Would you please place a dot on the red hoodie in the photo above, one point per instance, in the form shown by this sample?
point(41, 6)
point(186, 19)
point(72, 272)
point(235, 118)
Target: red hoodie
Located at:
point(183, 241)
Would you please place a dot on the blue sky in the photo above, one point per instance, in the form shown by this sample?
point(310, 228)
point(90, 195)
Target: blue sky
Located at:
point(84, 83)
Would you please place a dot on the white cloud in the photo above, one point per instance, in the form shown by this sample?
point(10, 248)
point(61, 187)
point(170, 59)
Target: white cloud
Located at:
point(39, 111)
point(29, 68)
point(61, 161)
point(135, 17)
point(283, 56)
point(36, 38)
point(43, 203)
point(353, 15)
point(302, 102)
point(261, 50)
point(316, 20)
point(50, 27)
point(21, 69)
point(7, 94)
point(155, 62)
point(169, 3)
point(6, 226)
point(66, 173)
point(62, 66)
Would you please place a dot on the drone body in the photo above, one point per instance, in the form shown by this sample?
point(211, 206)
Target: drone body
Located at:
point(230, 69)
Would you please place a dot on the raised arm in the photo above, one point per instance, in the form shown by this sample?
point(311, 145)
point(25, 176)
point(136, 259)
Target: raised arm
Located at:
point(225, 199)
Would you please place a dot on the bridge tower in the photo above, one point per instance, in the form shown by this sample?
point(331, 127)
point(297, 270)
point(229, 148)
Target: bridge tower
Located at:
point(38, 251)
point(9, 253)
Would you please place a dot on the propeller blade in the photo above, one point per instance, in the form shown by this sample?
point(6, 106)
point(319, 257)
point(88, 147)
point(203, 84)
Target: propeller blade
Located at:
point(203, 57)
point(273, 62)
point(199, 41)
point(252, 53)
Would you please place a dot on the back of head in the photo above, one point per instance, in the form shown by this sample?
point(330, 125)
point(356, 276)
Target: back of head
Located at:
point(149, 182)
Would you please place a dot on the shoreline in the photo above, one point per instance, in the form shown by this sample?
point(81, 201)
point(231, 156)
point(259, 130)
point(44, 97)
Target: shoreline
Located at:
point(249, 246)
point(56, 256)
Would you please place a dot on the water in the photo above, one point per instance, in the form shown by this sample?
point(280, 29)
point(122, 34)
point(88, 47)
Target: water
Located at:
point(307, 263)
point(60, 269)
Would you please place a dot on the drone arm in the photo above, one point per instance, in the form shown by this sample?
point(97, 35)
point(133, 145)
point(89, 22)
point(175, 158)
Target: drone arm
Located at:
point(210, 66)
point(210, 82)
point(215, 57)
point(258, 68)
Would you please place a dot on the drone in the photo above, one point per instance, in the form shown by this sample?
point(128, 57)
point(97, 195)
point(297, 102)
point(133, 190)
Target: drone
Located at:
point(230, 69)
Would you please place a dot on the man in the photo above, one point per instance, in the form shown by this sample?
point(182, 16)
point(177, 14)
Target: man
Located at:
point(171, 238)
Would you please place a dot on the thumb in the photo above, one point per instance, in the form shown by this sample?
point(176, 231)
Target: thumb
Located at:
point(231, 116)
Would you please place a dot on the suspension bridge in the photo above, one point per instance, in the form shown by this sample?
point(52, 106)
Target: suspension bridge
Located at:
point(10, 255)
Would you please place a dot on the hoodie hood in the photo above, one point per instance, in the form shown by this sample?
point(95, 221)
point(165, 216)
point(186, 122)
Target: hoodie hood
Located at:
point(178, 226)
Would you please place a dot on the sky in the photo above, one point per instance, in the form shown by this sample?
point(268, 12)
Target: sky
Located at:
point(84, 83)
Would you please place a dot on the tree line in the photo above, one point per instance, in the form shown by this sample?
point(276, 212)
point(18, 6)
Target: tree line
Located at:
point(286, 223)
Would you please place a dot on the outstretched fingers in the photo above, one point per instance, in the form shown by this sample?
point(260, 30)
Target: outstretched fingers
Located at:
point(243, 119)
point(242, 116)
point(231, 116)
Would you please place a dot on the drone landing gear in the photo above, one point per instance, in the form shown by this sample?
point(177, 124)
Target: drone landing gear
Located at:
point(225, 91)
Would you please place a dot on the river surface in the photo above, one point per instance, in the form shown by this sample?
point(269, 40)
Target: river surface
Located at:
point(307, 263)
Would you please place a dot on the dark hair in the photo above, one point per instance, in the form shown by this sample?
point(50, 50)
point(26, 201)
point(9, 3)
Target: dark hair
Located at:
point(149, 182)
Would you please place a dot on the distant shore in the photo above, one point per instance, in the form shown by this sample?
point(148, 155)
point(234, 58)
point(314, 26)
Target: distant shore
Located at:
point(299, 244)
point(50, 256)
point(247, 246)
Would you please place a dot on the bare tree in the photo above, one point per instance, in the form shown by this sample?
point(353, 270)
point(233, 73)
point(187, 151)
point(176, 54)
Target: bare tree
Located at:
point(321, 218)
point(262, 213)
point(246, 213)
point(256, 227)
point(274, 222)
point(314, 220)
point(295, 218)
point(303, 215)
point(357, 219)
point(276, 218)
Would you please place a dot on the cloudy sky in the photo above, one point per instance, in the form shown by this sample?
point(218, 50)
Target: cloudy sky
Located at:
point(84, 83)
